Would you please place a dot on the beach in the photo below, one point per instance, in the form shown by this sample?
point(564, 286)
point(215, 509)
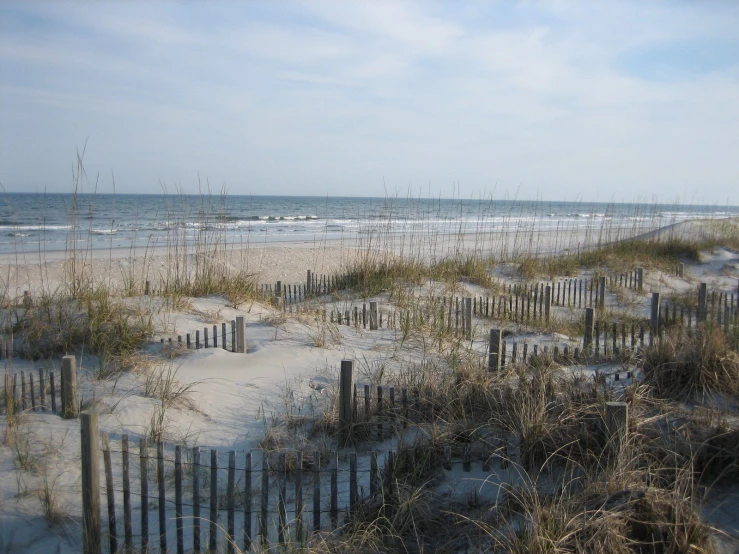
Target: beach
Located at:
point(279, 396)
point(288, 261)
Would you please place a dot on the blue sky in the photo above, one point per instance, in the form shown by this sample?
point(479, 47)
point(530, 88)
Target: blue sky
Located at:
point(560, 100)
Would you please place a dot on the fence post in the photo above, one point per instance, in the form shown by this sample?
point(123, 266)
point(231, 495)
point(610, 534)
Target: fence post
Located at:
point(374, 476)
point(334, 489)
point(640, 278)
point(23, 405)
point(16, 395)
point(494, 349)
point(277, 298)
point(680, 269)
point(109, 489)
point(299, 496)
point(247, 503)
point(547, 304)
point(654, 318)
point(263, 518)
point(69, 388)
point(213, 517)
point(33, 390)
point(240, 335)
point(388, 484)
point(702, 302)
point(42, 389)
point(9, 399)
point(162, 504)
point(373, 316)
point(602, 293)
point(196, 500)
point(617, 425)
point(231, 504)
point(346, 399)
point(353, 489)
point(308, 283)
point(589, 327)
point(281, 500)
point(317, 490)
point(144, 481)
point(178, 499)
point(468, 318)
point(91, 536)
point(127, 524)
point(447, 463)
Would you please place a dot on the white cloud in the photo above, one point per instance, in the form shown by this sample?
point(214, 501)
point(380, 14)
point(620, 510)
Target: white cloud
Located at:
point(274, 95)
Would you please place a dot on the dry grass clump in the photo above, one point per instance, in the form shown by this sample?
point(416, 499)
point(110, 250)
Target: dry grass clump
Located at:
point(660, 253)
point(408, 515)
point(684, 438)
point(644, 499)
point(206, 264)
point(717, 459)
point(597, 517)
point(323, 334)
point(160, 382)
point(684, 365)
point(650, 252)
point(469, 268)
point(574, 494)
point(641, 501)
point(417, 464)
point(372, 272)
point(532, 266)
point(213, 276)
point(95, 321)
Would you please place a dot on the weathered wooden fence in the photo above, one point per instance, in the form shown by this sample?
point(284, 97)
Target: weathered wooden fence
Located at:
point(315, 285)
point(178, 499)
point(720, 308)
point(233, 339)
point(156, 497)
point(48, 392)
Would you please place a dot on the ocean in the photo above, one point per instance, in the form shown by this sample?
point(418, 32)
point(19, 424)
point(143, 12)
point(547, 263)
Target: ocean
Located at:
point(29, 222)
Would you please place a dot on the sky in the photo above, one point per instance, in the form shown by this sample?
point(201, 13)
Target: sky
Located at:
point(552, 100)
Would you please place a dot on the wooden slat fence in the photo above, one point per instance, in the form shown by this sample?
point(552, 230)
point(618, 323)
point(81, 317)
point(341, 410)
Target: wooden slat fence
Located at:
point(37, 391)
point(720, 308)
point(164, 498)
point(215, 336)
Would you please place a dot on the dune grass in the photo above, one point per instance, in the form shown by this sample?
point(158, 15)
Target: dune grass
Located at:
point(539, 426)
point(697, 365)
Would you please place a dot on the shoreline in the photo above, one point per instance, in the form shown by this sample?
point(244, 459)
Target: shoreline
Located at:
point(287, 261)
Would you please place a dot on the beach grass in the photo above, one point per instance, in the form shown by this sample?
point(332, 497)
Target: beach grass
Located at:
point(560, 486)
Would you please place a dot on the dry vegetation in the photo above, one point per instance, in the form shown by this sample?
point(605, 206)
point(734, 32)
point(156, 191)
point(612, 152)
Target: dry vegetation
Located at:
point(563, 487)
point(541, 427)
